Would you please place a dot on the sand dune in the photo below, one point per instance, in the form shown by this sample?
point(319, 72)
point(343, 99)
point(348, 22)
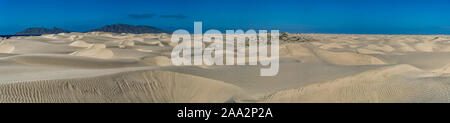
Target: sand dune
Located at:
point(6, 47)
point(426, 46)
point(444, 71)
point(368, 51)
point(30, 46)
point(296, 50)
point(124, 43)
point(81, 44)
point(138, 86)
point(118, 68)
point(388, 84)
point(95, 51)
point(347, 58)
point(157, 61)
point(68, 61)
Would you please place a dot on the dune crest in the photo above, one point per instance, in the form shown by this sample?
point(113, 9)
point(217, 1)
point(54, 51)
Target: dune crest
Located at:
point(6, 47)
point(426, 46)
point(158, 61)
point(65, 61)
point(388, 84)
point(128, 87)
point(95, 51)
point(125, 43)
point(81, 44)
point(347, 58)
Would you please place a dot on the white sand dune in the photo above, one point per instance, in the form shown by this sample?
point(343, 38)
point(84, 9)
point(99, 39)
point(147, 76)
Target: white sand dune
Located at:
point(70, 61)
point(426, 46)
point(81, 44)
point(444, 71)
point(368, 51)
point(385, 48)
point(388, 84)
point(95, 51)
point(120, 68)
point(138, 86)
point(6, 47)
point(157, 61)
point(347, 58)
point(144, 50)
point(293, 49)
point(124, 43)
point(30, 46)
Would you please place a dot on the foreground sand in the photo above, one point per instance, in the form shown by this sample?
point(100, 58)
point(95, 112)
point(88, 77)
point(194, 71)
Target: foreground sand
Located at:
point(106, 67)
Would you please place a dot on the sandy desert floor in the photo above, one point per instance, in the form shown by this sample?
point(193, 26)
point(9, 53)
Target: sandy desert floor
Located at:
point(119, 68)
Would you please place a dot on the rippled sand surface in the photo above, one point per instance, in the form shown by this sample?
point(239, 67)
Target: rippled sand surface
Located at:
point(107, 67)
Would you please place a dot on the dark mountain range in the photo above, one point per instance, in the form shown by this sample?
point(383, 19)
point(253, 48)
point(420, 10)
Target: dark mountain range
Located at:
point(40, 31)
point(115, 28)
point(125, 28)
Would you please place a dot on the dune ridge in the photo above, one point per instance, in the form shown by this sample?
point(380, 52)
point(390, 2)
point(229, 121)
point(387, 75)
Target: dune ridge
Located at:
point(95, 51)
point(138, 86)
point(118, 68)
point(387, 84)
point(6, 47)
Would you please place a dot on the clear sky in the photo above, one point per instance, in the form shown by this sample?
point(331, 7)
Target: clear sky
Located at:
point(304, 16)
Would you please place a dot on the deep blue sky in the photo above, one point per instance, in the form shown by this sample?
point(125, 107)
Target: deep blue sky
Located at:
point(308, 16)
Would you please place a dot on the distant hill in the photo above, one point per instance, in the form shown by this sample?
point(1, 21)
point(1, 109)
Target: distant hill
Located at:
point(40, 31)
point(116, 28)
point(125, 28)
